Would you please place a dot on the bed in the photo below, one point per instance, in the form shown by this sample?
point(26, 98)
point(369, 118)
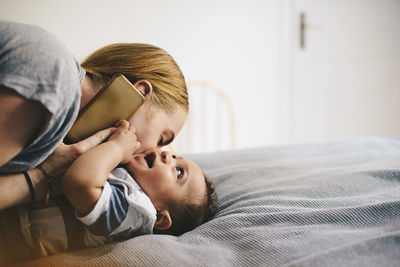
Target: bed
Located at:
point(317, 204)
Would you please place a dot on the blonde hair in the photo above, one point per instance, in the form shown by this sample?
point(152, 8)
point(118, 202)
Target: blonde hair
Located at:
point(142, 62)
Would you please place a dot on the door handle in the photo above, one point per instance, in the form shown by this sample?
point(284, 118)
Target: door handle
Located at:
point(302, 29)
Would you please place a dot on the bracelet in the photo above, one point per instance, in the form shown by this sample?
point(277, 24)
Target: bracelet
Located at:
point(30, 185)
point(46, 200)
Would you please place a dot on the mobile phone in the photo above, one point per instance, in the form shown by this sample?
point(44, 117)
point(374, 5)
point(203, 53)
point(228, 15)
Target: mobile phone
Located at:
point(118, 100)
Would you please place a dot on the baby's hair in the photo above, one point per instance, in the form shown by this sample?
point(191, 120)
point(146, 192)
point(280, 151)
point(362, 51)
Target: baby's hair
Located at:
point(187, 216)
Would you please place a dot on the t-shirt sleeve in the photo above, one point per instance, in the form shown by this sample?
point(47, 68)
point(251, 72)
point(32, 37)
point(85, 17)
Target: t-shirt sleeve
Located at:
point(115, 216)
point(38, 66)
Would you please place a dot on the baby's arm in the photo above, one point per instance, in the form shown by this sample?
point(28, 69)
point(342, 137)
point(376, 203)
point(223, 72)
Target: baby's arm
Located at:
point(83, 182)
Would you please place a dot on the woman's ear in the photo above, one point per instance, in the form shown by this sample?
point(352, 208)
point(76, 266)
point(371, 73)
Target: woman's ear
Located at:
point(163, 221)
point(144, 87)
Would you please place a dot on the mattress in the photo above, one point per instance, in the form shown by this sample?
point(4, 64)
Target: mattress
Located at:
point(316, 204)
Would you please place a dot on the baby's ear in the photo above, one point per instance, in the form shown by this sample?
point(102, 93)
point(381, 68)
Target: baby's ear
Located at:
point(163, 221)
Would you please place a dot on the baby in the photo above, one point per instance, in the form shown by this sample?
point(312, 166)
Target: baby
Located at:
point(154, 192)
point(179, 196)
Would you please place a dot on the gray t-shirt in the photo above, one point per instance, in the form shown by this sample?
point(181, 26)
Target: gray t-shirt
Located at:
point(38, 66)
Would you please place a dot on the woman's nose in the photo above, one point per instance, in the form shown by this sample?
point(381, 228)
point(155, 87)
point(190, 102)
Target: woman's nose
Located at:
point(166, 156)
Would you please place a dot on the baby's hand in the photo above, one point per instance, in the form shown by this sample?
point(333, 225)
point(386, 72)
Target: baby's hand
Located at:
point(126, 138)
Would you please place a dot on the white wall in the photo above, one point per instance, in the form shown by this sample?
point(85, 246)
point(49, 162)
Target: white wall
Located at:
point(230, 43)
point(249, 48)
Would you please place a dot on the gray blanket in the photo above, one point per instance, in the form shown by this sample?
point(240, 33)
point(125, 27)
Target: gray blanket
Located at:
point(321, 204)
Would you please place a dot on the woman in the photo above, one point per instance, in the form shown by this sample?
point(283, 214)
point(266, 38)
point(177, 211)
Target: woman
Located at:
point(42, 89)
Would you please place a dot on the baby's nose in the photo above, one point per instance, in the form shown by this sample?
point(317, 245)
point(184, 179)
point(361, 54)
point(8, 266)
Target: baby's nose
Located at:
point(166, 156)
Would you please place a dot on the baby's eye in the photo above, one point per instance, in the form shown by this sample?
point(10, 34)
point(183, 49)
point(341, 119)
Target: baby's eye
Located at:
point(179, 172)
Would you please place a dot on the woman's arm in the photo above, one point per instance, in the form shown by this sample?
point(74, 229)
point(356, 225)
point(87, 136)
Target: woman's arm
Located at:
point(21, 120)
point(83, 182)
point(14, 190)
point(13, 187)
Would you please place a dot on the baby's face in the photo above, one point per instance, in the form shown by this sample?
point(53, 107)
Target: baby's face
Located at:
point(167, 179)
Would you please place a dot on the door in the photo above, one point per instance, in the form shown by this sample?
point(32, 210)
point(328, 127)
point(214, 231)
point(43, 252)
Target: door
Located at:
point(346, 70)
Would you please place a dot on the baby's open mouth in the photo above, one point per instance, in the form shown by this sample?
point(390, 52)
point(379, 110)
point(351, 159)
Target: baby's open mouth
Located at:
point(149, 158)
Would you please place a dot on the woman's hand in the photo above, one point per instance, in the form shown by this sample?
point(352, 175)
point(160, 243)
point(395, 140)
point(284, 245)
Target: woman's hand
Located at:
point(63, 156)
point(13, 187)
point(126, 138)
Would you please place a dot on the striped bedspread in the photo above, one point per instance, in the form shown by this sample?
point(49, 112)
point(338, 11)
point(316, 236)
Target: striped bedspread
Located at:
point(320, 204)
